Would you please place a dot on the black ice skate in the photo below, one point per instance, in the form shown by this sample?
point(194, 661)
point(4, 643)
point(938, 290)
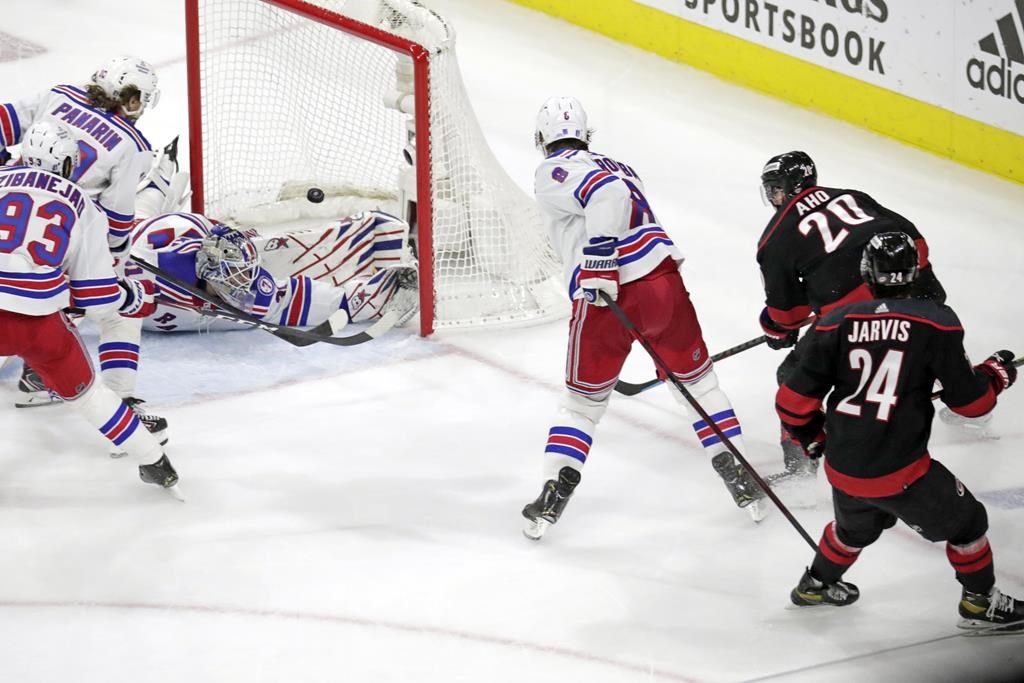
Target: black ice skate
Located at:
point(545, 511)
point(799, 468)
point(32, 392)
point(991, 613)
point(161, 473)
point(154, 424)
point(744, 490)
point(811, 592)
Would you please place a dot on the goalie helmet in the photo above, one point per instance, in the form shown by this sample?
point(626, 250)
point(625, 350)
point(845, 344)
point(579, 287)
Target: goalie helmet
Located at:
point(890, 260)
point(228, 260)
point(789, 173)
point(561, 118)
point(123, 72)
point(49, 145)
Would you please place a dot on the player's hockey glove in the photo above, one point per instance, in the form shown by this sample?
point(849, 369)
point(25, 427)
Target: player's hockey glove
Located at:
point(1000, 369)
point(599, 271)
point(811, 435)
point(138, 298)
point(778, 336)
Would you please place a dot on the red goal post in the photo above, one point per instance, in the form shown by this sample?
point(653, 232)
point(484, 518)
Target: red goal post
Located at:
point(285, 95)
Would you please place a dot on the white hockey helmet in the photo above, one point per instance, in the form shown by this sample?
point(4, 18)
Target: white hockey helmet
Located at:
point(121, 72)
point(49, 145)
point(229, 261)
point(561, 118)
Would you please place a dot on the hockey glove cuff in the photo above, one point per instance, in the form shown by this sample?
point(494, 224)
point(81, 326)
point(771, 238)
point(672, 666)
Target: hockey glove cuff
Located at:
point(778, 336)
point(1000, 370)
point(599, 271)
point(138, 298)
point(811, 435)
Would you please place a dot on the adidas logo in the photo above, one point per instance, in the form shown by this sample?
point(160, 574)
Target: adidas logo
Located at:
point(999, 78)
point(882, 308)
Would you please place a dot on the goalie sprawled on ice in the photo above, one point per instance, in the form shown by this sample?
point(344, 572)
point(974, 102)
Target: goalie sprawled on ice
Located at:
point(352, 270)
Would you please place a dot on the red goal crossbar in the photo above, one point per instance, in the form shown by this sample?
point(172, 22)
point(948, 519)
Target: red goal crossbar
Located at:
point(421, 75)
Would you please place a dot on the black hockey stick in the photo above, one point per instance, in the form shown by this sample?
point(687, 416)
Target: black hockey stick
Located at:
point(629, 389)
point(663, 367)
point(320, 333)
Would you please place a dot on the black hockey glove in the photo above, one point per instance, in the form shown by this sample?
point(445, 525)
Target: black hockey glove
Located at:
point(811, 435)
point(778, 336)
point(1000, 369)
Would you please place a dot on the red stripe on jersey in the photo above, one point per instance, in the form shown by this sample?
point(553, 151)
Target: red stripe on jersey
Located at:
point(861, 293)
point(922, 252)
point(979, 406)
point(904, 316)
point(791, 318)
point(6, 127)
point(890, 484)
point(792, 406)
point(298, 298)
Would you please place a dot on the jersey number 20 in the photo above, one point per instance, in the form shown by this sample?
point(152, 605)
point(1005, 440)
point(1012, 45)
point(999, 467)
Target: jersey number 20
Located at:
point(845, 208)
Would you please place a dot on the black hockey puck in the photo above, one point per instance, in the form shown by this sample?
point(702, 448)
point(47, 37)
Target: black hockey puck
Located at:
point(315, 195)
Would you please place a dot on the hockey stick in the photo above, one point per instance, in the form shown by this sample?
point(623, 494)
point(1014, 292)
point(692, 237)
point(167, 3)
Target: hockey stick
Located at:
point(320, 333)
point(629, 389)
point(663, 367)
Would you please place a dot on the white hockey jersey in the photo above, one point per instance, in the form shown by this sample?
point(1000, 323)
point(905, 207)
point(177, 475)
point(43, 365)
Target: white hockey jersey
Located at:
point(584, 194)
point(114, 154)
point(171, 242)
point(53, 249)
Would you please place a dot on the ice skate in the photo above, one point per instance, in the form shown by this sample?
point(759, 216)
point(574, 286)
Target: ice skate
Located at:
point(545, 511)
point(799, 468)
point(154, 424)
point(991, 613)
point(811, 592)
point(744, 490)
point(161, 473)
point(32, 392)
point(978, 427)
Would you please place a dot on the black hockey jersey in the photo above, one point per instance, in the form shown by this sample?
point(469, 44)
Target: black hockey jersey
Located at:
point(811, 249)
point(880, 359)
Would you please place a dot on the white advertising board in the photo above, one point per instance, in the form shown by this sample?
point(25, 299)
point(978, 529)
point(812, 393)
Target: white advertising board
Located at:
point(966, 56)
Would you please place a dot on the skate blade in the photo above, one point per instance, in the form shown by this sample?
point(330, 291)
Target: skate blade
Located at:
point(534, 529)
point(978, 629)
point(36, 402)
point(175, 493)
point(759, 509)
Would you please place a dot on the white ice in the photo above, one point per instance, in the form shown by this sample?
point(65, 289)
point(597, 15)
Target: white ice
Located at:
point(353, 514)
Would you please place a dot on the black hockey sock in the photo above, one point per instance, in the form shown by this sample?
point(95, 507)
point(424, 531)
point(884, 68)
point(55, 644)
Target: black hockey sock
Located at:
point(973, 565)
point(833, 557)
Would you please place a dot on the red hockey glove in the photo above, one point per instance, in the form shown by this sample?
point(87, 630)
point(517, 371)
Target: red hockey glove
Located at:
point(778, 336)
point(138, 298)
point(811, 435)
point(1000, 369)
point(599, 271)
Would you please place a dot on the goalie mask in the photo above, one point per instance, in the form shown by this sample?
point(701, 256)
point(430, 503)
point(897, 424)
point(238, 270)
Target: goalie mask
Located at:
point(229, 262)
point(561, 118)
point(121, 75)
point(49, 145)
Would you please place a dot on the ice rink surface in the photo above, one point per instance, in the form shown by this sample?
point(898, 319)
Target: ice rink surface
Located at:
point(353, 514)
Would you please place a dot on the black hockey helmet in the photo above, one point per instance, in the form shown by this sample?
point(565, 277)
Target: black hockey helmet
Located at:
point(890, 261)
point(789, 173)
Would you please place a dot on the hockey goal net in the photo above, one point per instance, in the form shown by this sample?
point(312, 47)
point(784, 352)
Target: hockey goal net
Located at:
point(364, 100)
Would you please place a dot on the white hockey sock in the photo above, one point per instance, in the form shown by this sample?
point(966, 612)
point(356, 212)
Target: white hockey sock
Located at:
point(101, 407)
point(119, 351)
point(716, 404)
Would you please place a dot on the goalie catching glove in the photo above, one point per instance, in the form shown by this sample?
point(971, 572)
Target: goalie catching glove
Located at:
point(599, 271)
point(138, 298)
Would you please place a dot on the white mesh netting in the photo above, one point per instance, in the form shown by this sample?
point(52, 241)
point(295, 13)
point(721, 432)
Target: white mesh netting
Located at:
point(289, 104)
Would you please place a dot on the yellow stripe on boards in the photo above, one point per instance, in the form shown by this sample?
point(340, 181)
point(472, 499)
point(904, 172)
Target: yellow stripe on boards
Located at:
point(911, 121)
